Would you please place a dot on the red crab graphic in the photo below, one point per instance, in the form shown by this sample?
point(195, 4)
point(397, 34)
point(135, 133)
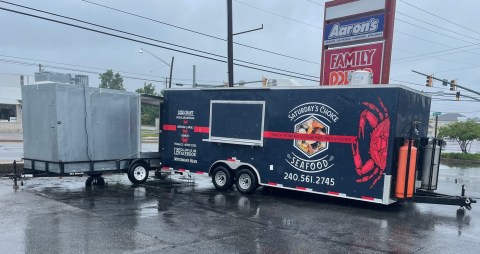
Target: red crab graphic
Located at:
point(380, 122)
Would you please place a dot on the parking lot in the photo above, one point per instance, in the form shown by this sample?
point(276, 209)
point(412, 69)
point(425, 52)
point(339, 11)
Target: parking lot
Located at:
point(52, 215)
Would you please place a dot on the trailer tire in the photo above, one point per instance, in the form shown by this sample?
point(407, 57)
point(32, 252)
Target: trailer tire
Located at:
point(246, 181)
point(138, 172)
point(222, 178)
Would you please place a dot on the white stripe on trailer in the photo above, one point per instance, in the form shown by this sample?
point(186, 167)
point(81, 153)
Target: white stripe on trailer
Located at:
point(342, 195)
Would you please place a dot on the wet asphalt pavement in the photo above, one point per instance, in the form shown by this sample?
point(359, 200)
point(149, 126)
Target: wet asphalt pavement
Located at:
point(52, 215)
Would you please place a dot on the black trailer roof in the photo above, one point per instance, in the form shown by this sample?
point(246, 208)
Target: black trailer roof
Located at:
point(302, 87)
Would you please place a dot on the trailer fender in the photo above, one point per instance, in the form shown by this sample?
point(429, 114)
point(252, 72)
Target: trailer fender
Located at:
point(234, 165)
point(139, 160)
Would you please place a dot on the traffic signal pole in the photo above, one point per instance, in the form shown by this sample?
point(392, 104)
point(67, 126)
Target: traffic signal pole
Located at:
point(447, 83)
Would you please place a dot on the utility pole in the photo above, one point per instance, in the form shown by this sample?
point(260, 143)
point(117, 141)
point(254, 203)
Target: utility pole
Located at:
point(171, 69)
point(230, 42)
point(194, 78)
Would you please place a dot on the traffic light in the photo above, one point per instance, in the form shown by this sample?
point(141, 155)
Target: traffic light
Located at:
point(429, 81)
point(458, 96)
point(453, 85)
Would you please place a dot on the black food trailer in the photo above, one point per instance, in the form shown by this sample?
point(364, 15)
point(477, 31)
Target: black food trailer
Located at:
point(346, 142)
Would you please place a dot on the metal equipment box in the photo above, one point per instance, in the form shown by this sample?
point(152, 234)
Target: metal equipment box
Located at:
point(69, 126)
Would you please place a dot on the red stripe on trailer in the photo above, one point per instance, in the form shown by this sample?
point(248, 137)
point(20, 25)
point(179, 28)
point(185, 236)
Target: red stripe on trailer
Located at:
point(333, 193)
point(181, 170)
point(165, 168)
point(368, 198)
point(301, 188)
point(316, 137)
point(169, 127)
point(200, 129)
point(200, 172)
point(272, 183)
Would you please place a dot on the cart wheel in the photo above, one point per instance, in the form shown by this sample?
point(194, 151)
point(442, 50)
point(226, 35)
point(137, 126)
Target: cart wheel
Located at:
point(89, 181)
point(246, 181)
point(222, 178)
point(100, 181)
point(138, 172)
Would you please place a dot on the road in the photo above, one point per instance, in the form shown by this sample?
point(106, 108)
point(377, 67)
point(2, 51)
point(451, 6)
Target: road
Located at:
point(52, 215)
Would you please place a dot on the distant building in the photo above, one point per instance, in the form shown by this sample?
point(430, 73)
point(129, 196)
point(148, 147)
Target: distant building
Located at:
point(444, 120)
point(11, 102)
point(64, 78)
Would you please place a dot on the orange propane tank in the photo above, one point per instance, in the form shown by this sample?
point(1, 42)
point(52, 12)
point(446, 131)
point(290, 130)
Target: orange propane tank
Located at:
point(402, 171)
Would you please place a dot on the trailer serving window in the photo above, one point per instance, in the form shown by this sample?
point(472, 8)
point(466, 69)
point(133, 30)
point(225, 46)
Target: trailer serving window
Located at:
point(237, 122)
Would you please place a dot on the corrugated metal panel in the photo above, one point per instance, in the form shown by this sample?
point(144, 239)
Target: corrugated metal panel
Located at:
point(72, 123)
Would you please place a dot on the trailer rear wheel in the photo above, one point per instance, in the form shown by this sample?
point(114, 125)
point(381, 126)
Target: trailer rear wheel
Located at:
point(96, 180)
point(222, 178)
point(138, 172)
point(246, 181)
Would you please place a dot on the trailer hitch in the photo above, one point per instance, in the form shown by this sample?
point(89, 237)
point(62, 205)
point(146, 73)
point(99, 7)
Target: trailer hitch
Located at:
point(428, 197)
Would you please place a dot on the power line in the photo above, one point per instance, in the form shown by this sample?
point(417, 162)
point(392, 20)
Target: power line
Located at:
point(143, 37)
point(440, 17)
point(315, 3)
point(154, 45)
point(423, 39)
point(197, 32)
point(279, 15)
point(148, 38)
point(104, 69)
point(438, 57)
point(434, 42)
point(430, 55)
point(24, 63)
point(437, 26)
point(430, 30)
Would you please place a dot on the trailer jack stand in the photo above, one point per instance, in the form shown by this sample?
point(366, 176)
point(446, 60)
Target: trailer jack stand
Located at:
point(15, 176)
point(95, 180)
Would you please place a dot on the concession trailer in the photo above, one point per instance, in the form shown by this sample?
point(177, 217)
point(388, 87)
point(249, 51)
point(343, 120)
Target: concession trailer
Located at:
point(366, 143)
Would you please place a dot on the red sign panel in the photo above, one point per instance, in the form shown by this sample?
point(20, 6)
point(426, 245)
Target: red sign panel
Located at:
point(338, 62)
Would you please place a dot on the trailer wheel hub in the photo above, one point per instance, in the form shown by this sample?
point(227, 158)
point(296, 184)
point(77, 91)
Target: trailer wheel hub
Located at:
point(220, 178)
point(245, 181)
point(139, 173)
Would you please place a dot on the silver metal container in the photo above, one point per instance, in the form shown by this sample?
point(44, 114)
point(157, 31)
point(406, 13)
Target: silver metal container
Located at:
point(66, 123)
point(431, 167)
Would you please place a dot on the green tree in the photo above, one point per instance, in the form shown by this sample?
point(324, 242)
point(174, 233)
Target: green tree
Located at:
point(148, 89)
point(111, 81)
point(149, 112)
point(462, 132)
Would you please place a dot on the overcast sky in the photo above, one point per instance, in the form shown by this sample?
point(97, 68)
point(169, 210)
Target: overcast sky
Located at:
point(291, 27)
